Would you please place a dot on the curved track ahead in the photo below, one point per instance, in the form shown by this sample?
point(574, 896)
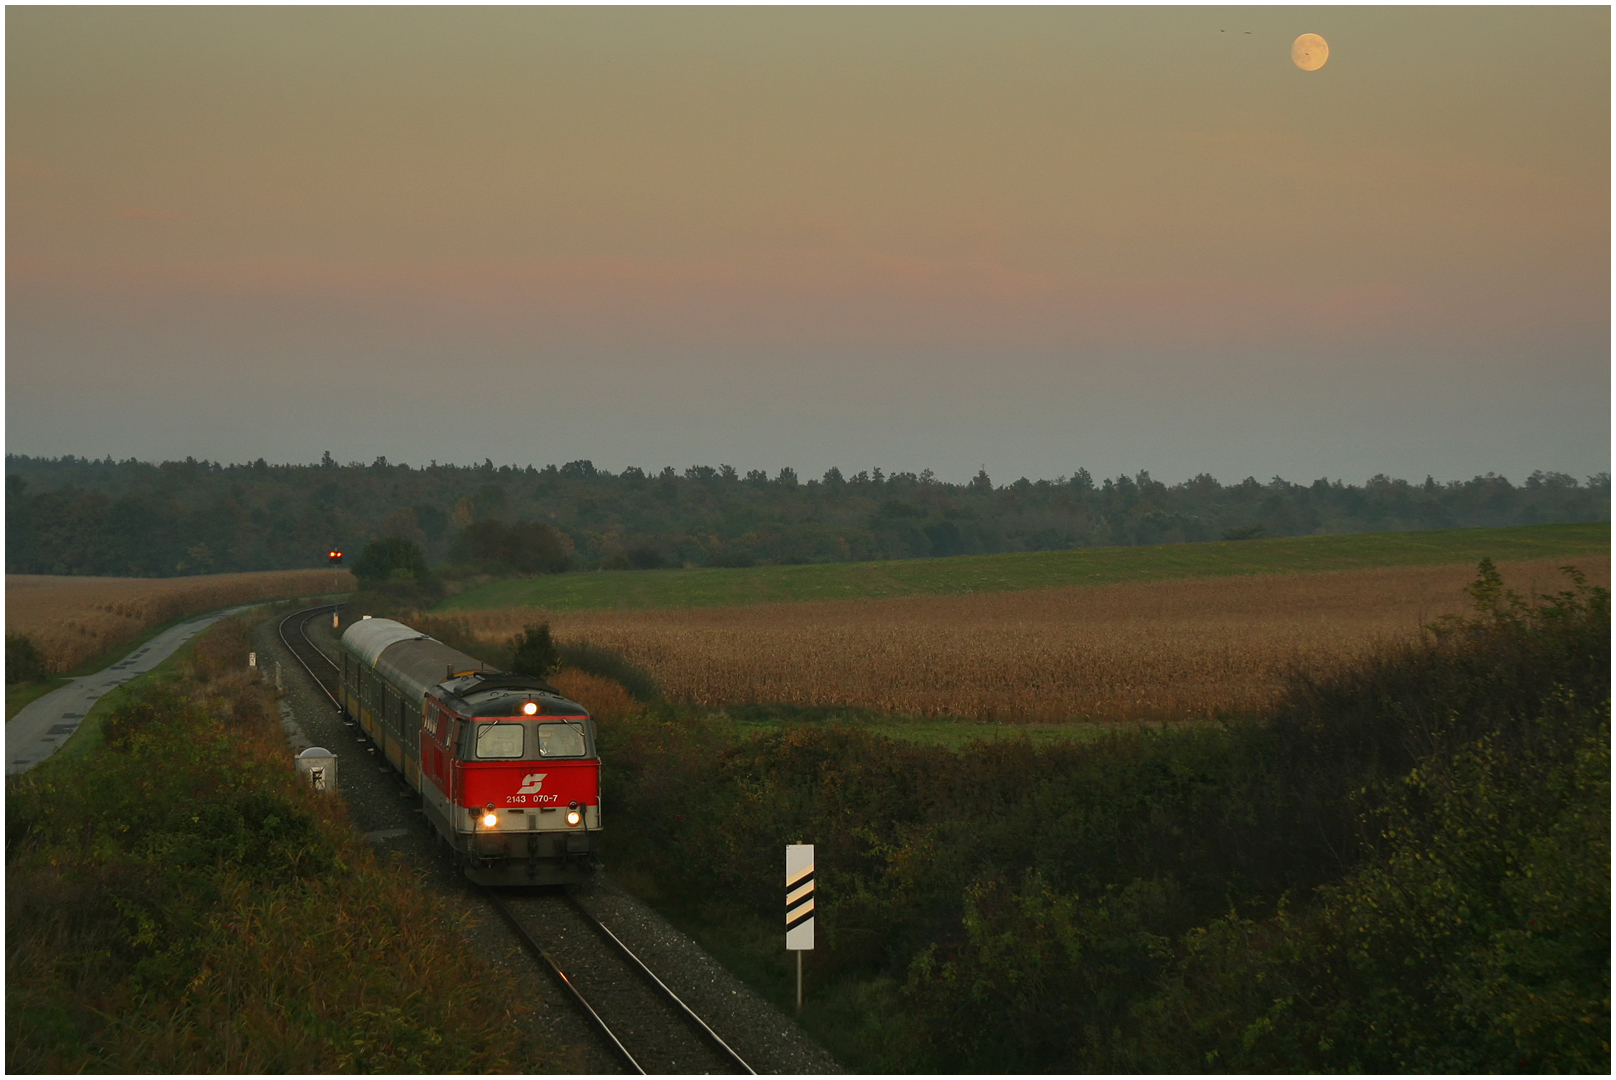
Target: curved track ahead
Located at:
point(305, 652)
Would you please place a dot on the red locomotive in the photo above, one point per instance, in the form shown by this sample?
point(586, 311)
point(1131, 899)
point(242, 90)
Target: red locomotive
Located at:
point(506, 766)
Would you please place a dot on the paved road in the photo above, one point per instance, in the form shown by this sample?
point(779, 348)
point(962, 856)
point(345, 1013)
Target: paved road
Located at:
point(41, 726)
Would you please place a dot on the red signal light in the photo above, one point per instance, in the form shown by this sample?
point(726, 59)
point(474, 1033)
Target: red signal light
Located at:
point(335, 556)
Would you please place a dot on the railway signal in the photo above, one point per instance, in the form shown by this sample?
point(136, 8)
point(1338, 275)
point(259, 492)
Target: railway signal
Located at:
point(799, 905)
point(334, 557)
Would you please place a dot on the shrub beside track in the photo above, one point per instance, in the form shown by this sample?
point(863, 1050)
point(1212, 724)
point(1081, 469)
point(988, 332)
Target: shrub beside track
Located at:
point(1404, 866)
point(176, 902)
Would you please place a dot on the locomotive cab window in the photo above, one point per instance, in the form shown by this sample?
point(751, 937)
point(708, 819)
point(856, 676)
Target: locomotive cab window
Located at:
point(561, 740)
point(499, 740)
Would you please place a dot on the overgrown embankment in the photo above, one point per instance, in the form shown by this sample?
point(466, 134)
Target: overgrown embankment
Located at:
point(1403, 867)
point(177, 902)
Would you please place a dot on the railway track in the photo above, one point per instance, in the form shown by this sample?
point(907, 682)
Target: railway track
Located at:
point(645, 1022)
point(320, 667)
point(323, 672)
point(642, 1021)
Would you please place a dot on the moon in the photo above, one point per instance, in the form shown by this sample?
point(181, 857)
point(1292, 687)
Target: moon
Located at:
point(1309, 52)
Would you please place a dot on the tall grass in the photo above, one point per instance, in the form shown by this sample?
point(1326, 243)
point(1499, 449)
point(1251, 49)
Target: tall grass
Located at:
point(1163, 650)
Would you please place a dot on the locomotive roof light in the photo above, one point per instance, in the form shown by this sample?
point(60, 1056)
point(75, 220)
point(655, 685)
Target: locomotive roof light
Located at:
point(530, 708)
point(573, 817)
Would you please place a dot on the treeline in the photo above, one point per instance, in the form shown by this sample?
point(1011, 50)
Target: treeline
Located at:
point(1405, 867)
point(80, 516)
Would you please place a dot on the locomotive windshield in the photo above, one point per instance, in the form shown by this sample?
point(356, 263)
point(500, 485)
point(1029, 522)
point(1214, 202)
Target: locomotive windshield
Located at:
point(499, 740)
point(516, 739)
point(560, 740)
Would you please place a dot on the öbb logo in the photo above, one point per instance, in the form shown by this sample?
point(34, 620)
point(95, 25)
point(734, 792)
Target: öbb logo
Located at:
point(531, 783)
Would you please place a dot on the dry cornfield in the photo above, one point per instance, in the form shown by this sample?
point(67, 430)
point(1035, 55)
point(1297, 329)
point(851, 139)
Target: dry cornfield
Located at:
point(75, 619)
point(1157, 651)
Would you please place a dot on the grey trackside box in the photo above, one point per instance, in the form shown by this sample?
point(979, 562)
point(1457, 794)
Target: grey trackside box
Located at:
point(318, 768)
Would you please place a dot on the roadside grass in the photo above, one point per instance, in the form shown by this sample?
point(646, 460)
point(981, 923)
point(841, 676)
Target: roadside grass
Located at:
point(711, 587)
point(178, 902)
point(76, 621)
point(117, 652)
point(21, 695)
point(88, 738)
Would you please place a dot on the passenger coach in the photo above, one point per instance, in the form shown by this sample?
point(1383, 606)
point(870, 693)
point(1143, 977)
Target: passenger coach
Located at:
point(506, 766)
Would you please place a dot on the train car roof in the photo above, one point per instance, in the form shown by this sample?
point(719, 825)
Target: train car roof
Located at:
point(420, 664)
point(368, 638)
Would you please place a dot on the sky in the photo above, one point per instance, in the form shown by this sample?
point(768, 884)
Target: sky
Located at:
point(1027, 240)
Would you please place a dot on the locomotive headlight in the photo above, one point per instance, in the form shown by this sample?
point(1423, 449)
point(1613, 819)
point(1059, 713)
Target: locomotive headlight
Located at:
point(574, 817)
point(489, 820)
point(530, 708)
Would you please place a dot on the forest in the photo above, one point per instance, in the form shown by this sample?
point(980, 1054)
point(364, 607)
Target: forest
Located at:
point(74, 515)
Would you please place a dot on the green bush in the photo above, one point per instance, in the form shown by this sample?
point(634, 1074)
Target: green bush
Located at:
point(393, 559)
point(24, 662)
point(523, 547)
point(533, 653)
point(1475, 938)
point(1038, 978)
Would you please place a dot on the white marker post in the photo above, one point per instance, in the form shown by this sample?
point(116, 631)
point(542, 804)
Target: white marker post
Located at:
point(799, 905)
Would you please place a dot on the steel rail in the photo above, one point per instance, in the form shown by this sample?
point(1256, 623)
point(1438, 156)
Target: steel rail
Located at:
point(302, 629)
point(640, 965)
point(539, 952)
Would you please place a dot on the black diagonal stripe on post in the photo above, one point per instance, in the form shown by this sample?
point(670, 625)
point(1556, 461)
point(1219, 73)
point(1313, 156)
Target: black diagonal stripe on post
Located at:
point(800, 880)
point(797, 903)
point(792, 924)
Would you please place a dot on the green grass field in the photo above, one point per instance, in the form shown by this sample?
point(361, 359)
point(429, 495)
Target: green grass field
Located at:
point(1036, 570)
point(955, 735)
